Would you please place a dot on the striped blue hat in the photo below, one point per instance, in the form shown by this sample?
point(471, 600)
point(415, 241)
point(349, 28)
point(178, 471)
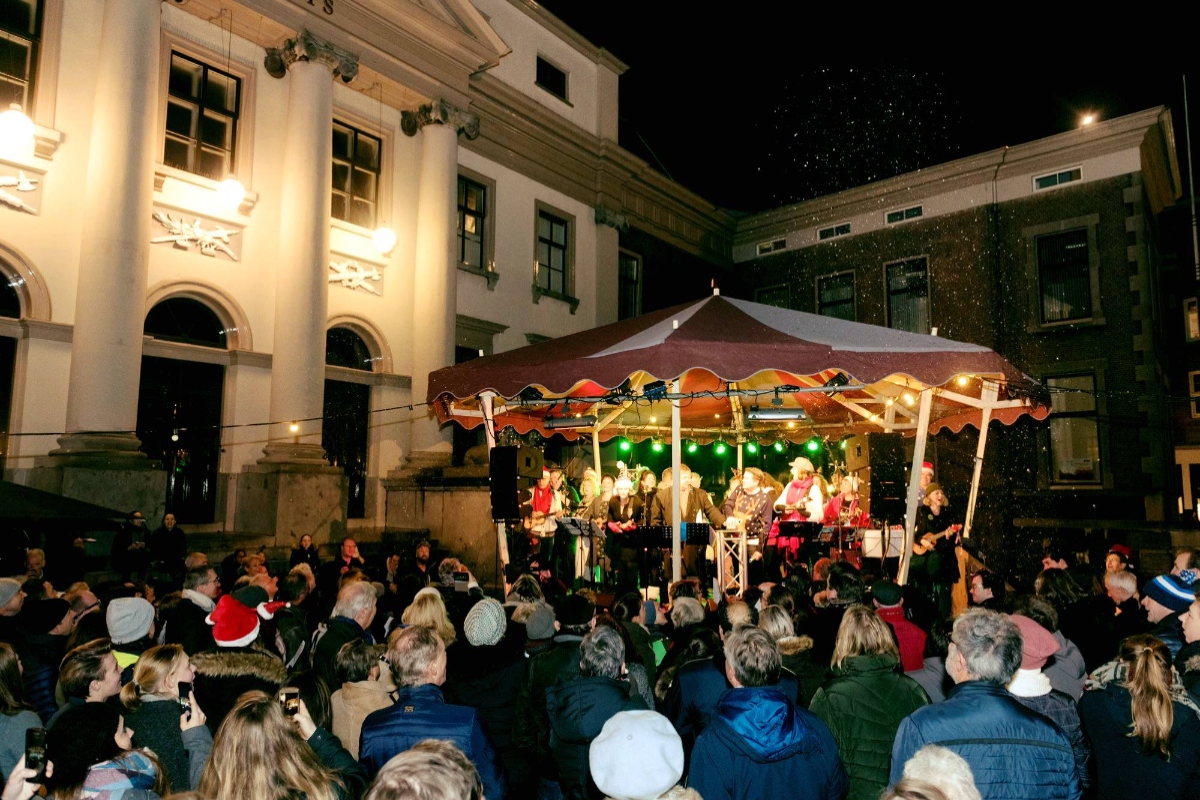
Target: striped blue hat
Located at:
point(1171, 592)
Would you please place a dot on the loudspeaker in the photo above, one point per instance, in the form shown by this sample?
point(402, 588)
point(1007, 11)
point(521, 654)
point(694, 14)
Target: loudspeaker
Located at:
point(506, 467)
point(888, 489)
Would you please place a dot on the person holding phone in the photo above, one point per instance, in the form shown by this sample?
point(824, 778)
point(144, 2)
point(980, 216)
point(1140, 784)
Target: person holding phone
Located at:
point(21, 783)
point(15, 716)
point(93, 754)
point(162, 708)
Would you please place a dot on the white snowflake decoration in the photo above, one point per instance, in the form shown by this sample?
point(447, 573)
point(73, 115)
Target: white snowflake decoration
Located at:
point(353, 275)
point(185, 235)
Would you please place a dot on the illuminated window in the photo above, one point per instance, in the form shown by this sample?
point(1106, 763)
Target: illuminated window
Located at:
point(202, 118)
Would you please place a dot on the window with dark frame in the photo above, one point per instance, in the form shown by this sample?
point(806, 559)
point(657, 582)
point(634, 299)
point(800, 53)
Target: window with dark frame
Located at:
point(472, 215)
point(835, 296)
point(1194, 393)
point(834, 231)
point(20, 36)
point(357, 163)
point(629, 277)
point(779, 296)
point(1074, 429)
point(1057, 179)
point(552, 268)
point(1191, 320)
point(902, 214)
point(345, 427)
point(1064, 276)
point(203, 104)
point(551, 78)
point(908, 295)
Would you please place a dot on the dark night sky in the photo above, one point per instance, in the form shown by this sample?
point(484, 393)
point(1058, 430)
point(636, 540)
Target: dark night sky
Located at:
point(727, 111)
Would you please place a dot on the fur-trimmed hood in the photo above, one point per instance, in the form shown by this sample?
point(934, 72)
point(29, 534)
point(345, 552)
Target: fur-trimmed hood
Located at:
point(790, 645)
point(238, 662)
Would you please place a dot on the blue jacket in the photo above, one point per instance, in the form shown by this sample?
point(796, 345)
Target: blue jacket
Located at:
point(760, 744)
point(420, 713)
point(1013, 751)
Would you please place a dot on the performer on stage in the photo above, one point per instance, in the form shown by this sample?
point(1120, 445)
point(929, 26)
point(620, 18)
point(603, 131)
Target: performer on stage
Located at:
point(843, 509)
point(645, 492)
point(935, 547)
point(669, 508)
point(624, 511)
point(926, 479)
point(749, 508)
point(801, 500)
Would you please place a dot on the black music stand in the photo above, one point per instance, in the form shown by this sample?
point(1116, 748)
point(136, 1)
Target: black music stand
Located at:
point(577, 528)
point(656, 538)
point(696, 534)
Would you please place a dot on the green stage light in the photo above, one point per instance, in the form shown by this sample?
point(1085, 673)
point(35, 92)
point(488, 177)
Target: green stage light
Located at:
point(720, 448)
point(624, 445)
point(813, 445)
point(779, 447)
point(842, 444)
point(691, 448)
point(656, 447)
point(751, 448)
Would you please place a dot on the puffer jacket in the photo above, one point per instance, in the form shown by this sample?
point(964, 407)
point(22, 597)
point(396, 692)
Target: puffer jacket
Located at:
point(797, 653)
point(578, 711)
point(761, 745)
point(1170, 630)
point(1013, 752)
point(863, 706)
point(1121, 770)
point(224, 674)
point(531, 727)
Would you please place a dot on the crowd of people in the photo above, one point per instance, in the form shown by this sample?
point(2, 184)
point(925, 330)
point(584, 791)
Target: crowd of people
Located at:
point(343, 679)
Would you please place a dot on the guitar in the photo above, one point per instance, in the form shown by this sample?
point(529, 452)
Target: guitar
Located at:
point(927, 542)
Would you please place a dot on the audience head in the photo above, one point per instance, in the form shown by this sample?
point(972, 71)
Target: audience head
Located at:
point(845, 583)
point(1120, 586)
point(203, 580)
point(1038, 645)
point(863, 633)
point(1185, 560)
point(1147, 663)
point(447, 568)
point(358, 661)
point(12, 689)
point(129, 619)
point(356, 601)
point(629, 607)
point(1058, 588)
point(1057, 556)
point(751, 658)
point(417, 656)
point(258, 752)
point(1165, 596)
point(294, 589)
point(429, 770)
point(485, 623)
point(90, 672)
point(306, 571)
point(1038, 610)
point(1191, 622)
point(777, 622)
point(429, 610)
point(937, 643)
point(194, 560)
point(686, 587)
point(83, 736)
point(985, 646)
point(942, 769)
point(574, 614)
point(1118, 558)
point(686, 611)
point(158, 671)
point(734, 615)
point(35, 560)
point(539, 625)
point(50, 616)
point(602, 654)
point(887, 594)
point(987, 585)
point(314, 694)
point(526, 589)
point(637, 756)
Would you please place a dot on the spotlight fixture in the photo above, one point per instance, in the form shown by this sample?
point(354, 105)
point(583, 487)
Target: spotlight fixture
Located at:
point(963, 380)
point(656, 446)
point(776, 400)
point(721, 448)
point(778, 447)
point(624, 446)
point(751, 448)
point(655, 391)
point(812, 445)
point(773, 412)
point(530, 394)
point(16, 128)
point(577, 421)
point(691, 448)
point(838, 380)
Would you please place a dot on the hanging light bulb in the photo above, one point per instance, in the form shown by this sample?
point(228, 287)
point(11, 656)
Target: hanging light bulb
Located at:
point(231, 192)
point(16, 128)
point(691, 448)
point(751, 448)
point(963, 380)
point(385, 239)
point(813, 445)
point(294, 427)
point(175, 436)
point(656, 446)
point(624, 445)
point(721, 448)
point(778, 447)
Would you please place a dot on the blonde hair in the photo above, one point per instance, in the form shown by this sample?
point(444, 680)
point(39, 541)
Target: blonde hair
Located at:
point(863, 633)
point(153, 668)
point(428, 609)
point(1148, 679)
point(412, 652)
point(429, 770)
point(258, 753)
point(777, 622)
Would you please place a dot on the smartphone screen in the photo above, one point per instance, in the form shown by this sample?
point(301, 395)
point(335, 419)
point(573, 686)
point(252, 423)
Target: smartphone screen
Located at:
point(35, 753)
point(185, 689)
point(461, 581)
point(289, 699)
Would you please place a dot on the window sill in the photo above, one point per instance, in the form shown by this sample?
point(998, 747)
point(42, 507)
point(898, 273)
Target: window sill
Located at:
point(1052, 327)
point(490, 275)
point(539, 293)
point(559, 98)
point(162, 172)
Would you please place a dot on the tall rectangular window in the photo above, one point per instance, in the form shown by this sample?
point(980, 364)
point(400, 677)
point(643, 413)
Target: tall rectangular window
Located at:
point(552, 266)
point(1194, 393)
point(629, 285)
point(1064, 276)
point(202, 118)
point(778, 295)
point(835, 296)
point(551, 78)
point(908, 295)
point(20, 35)
point(357, 158)
point(1074, 430)
point(472, 213)
point(1191, 320)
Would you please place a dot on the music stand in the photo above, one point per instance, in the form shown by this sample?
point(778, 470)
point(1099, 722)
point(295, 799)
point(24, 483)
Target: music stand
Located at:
point(652, 538)
point(577, 527)
point(696, 534)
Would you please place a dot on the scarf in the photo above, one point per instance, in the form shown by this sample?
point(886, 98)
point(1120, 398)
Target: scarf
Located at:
point(542, 499)
point(1029, 683)
point(207, 604)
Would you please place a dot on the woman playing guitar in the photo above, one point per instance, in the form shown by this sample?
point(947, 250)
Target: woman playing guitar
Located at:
point(935, 543)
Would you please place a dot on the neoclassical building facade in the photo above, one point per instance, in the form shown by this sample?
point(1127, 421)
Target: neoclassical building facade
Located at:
point(240, 235)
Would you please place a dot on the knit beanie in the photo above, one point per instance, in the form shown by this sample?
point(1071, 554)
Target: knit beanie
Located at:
point(485, 623)
point(8, 590)
point(128, 619)
point(235, 619)
point(1171, 592)
point(539, 625)
point(44, 615)
point(637, 756)
point(1037, 644)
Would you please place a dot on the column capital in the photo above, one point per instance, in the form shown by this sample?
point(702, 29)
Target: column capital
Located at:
point(307, 47)
point(439, 112)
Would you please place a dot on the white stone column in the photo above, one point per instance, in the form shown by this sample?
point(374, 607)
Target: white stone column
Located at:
point(106, 357)
point(302, 271)
point(435, 286)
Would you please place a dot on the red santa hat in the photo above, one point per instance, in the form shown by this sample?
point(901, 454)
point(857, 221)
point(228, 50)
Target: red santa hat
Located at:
point(926, 466)
point(235, 620)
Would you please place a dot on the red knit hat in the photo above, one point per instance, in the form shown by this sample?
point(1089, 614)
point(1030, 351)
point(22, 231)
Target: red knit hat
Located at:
point(926, 466)
point(235, 619)
point(1037, 644)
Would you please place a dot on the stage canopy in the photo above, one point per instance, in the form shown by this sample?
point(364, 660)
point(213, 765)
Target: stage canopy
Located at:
point(814, 375)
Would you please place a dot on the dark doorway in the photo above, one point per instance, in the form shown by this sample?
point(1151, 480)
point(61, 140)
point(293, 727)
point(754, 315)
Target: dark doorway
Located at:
point(345, 428)
point(10, 306)
point(179, 408)
point(464, 439)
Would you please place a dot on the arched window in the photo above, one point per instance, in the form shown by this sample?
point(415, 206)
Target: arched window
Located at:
point(182, 319)
point(10, 301)
point(179, 407)
point(10, 306)
point(344, 430)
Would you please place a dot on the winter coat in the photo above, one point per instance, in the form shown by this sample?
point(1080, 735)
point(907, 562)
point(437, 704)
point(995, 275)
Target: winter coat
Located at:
point(761, 745)
point(642, 644)
point(1013, 752)
point(127, 655)
point(225, 673)
point(330, 752)
point(12, 738)
point(43, 653)
point(306, 555)
point(291, 637)
point(1187, 667)
point(130, 776)
point(1032, 689)
point(798, 659)
point(1089, 625)
point(909, 637)
point(185, 625)
point(578, 711)
point(1120, 768)
point(488, 679)
point(933, 678)
point(420, 713)
point(863, 706)
point(183, 754)
point(531, 728)
point(353, 703)
point(1066, 669)
point(1169, 629)
point(328, 640)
